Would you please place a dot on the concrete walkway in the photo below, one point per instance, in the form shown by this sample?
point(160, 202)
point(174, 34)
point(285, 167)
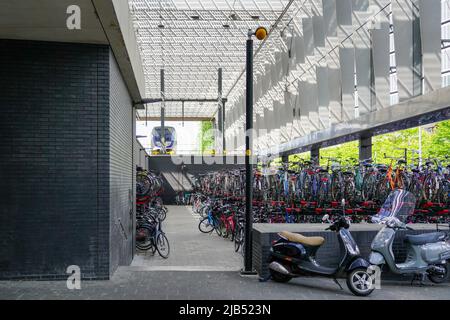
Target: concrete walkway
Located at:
point(151, 277)
point(190, 250)
point(184, 285)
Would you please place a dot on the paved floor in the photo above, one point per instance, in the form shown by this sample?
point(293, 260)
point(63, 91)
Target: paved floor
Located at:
point(190, 250)
point(205, 285)
point(202, 267)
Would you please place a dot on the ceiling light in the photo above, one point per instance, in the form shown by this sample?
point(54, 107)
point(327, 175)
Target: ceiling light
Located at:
point(195, 17)
point(161, 26)
point(226, 26)
point(255, 17)
point(234, 16)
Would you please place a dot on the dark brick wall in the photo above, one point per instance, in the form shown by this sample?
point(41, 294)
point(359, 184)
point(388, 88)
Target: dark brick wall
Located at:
point(55, 160)
point(178, 177)
point(122, 167)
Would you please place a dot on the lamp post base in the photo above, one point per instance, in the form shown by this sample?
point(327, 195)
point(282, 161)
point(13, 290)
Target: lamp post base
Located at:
point(245, 273)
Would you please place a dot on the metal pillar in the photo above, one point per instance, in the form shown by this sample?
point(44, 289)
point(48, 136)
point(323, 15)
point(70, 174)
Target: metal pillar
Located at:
point(220, 125)
point(182, 113)
point(223, 121)
point(163, 111)
point(365, 147)
point(248, 268)
point(315, 155)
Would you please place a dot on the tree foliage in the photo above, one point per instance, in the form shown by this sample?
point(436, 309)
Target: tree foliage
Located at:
point(206, 136)
point(435, 144)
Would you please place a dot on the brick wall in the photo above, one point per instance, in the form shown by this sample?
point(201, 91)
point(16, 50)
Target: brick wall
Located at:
point(122, 170)
point(178, 177)
point(66, 161)
point(54, 203)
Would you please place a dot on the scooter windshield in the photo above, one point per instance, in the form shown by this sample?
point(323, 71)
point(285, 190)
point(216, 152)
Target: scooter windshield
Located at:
point(399, 204)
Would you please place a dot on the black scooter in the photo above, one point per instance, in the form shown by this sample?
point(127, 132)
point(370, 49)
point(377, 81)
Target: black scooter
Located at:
point(294, 255)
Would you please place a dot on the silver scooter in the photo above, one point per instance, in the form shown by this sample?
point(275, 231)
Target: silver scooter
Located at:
point(428, 255)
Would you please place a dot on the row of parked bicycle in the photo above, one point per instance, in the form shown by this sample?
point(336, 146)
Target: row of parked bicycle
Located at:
point(224, 217)
point(313, 189)
point(150, 213)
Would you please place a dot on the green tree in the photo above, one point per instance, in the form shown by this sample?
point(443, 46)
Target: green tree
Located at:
point(206, 136)
point(440, 141)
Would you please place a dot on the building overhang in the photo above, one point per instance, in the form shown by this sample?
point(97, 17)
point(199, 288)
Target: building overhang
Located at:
point(422, 110)
point(102, 22)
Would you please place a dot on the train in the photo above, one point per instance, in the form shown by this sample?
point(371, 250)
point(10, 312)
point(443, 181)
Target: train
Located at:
point(170, 144)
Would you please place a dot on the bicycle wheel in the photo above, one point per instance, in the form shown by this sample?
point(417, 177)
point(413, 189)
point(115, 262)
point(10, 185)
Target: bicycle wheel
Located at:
point(368, 187)
point(143, 185)
point(238, 238)
point(336, 190)
point(143, 239)
point(205, 226)
point(162, 214)
point(232, 233)
point(219, 227)
point(162, 245)
point(428, 188)
point(383, 191)
point(349, 190)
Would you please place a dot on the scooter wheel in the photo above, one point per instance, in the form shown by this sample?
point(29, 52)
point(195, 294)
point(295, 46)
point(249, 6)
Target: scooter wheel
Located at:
point(359, 281)
point(439, 278)
point(279, 277)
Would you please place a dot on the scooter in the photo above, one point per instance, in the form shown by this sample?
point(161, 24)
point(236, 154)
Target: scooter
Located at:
point(428, 255)
point(294, 255)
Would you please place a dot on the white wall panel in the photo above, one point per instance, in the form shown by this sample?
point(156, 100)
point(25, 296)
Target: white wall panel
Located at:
point(346, 58)
point(332, 61)
point(430, 28)
point(381, 65)
point(403, 37)
point(361, 40)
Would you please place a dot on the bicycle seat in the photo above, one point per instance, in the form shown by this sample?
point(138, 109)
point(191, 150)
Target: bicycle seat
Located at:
point(298, 238)
point(425, 238)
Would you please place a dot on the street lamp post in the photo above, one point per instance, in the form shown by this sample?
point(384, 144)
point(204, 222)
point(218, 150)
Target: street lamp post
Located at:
point(261, 34)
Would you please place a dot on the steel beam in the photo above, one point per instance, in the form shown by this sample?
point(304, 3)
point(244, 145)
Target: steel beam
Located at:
point(424, 109)
point(170, 118)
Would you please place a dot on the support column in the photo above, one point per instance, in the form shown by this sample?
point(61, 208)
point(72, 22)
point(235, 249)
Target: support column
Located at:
point(315, 154)
point(248, 267)
point(223, 126)
point(163, 113)
point(365, 147)
point(220, 126)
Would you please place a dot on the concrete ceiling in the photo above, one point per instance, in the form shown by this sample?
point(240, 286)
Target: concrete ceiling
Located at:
point(45, 20)
point(102, 22)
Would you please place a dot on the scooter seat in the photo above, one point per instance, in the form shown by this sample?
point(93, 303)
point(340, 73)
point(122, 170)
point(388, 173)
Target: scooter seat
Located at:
point(425, 238)
point(298, 238)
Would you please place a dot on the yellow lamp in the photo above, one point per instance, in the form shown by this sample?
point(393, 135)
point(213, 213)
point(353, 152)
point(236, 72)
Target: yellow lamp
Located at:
point(261, 33)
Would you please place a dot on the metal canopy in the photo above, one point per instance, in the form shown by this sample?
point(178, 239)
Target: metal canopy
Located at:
point(192, 39)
